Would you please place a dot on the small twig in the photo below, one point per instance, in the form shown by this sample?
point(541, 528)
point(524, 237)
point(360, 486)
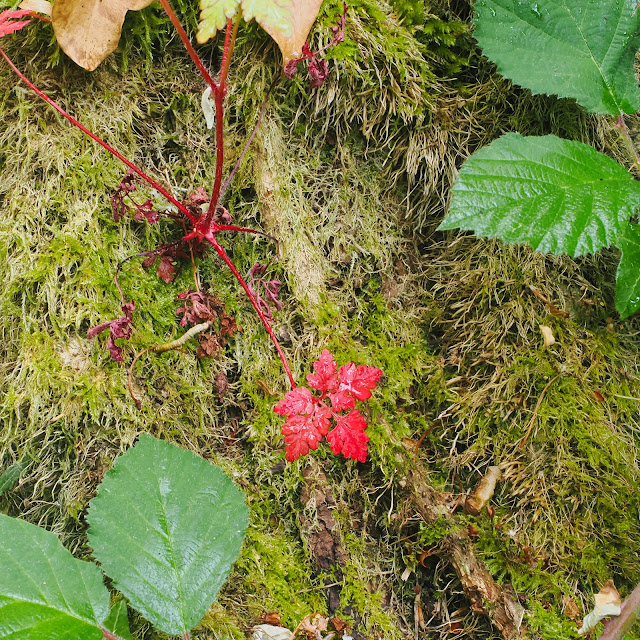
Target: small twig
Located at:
point(422, 437)
point(322, 586)
point(162, 348)
point(307, 617)
point(535, 410)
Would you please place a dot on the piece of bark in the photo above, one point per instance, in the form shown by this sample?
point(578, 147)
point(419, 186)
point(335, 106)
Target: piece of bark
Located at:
point(485, 595)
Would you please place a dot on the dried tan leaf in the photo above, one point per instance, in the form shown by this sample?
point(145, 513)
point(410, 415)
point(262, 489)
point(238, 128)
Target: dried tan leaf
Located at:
point(89, 30)
point(304, 15)
point(39, 6)
point(608, 602)
point(547, 336)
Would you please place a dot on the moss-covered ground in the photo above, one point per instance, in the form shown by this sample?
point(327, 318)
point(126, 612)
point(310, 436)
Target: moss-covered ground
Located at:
point(352, 179)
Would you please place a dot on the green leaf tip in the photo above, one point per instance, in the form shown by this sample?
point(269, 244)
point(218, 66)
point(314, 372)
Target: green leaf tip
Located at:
point(582, 49)
point(44, 591)
point(557, 195)
point(167, 526)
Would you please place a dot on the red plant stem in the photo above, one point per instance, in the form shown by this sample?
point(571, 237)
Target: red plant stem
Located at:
point(107, 635)
point(218, 96)
point(188, 46)
point(251, 137)
point(94, 137)
point(227, 260)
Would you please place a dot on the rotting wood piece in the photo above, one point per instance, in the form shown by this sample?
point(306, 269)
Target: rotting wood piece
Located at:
point(485, 595)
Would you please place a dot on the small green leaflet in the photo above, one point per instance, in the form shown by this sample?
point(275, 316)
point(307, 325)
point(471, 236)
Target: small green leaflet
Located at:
point(167, 526)
point(558, 195)
point(582, 49)
point(628, 276)
point(44, 591)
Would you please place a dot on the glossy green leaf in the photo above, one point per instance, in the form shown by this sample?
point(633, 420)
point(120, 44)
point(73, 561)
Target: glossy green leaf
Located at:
point(628, 276)
point(559, 196)
point(118, 621)
point(167, 526)
point(582, 49)
point(45, 592)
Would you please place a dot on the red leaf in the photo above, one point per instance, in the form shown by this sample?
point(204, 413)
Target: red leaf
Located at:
point(349, 438)
point(166, 270)
point(300, 435)
point(355, 382)
point(325, 377)
point(118, 328)
point(7, 27)
point(297, 401)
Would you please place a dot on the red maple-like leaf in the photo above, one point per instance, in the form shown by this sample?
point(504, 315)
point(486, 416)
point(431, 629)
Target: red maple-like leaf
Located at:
point(325, 377)
point(348, 437)
point(118, 328)
point(355, 383)
point(9, 22)
point(297, 401)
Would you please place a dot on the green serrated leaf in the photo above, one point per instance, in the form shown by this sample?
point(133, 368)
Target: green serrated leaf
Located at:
point(167, 526)
point(582, 49)
point(44, 591)
point(628, 276)
point(213, 17)
point(118, 621)
point(10, 477)
point(558, 195)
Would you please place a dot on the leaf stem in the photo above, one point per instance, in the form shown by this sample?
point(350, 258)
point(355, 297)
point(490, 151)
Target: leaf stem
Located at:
point(227, 260)
point(94, 137)
point(626, 136)
point(188, 46)
point(107, 635)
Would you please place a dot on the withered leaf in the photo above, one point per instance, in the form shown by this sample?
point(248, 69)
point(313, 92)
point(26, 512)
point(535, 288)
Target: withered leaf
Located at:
point(608, 603)
point(89, 30)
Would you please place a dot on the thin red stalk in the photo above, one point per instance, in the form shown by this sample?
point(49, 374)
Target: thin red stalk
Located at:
point(188, 46)
point(218, 96)
point(251, 137)
point(94, 137)
point(227, 260)
point(107, 635)
point(229, 42)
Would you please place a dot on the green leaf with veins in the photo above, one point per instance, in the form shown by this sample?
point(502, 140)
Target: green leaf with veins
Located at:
point(628, 276)
point(118, 621)
point(167, 526)
point(44, 591)
point(559, 196)
point(582, 49)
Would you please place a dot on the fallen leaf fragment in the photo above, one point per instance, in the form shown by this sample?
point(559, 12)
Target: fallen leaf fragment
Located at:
point(288, 22)
point(89, 30)
point(270, 632)
point(39, 6)
point(477, 500)
point(608, 603)
point(547, 336)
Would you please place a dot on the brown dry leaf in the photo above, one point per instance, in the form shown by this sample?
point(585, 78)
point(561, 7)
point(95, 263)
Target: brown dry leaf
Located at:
point(39, 6)
point(89, 30)
point(608, 602)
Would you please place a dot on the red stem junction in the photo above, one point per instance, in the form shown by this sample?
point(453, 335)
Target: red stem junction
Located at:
point(204, 227)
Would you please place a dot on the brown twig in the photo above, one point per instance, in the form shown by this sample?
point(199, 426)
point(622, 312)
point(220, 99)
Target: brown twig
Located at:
point(173, 345)
point(535, 410)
